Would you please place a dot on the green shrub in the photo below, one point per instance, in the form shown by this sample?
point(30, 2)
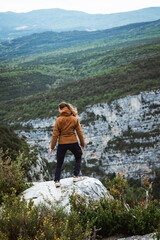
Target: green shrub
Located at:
point(130, 191)
point(144, 220)
point(25, 221)
point(18, 218)
point(156, 185)
point(11, 176)
point(107, 215)
point(11, 143)
point(112, 216)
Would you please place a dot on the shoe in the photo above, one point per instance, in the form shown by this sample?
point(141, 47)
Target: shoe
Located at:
point(77, 178)
point(57, 184)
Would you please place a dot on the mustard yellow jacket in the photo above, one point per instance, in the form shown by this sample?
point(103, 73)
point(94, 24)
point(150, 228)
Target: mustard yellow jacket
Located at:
point(64, 129)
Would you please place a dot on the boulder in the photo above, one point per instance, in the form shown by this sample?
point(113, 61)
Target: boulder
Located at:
point(45, 192)
point(144, 237)
point(150, 236)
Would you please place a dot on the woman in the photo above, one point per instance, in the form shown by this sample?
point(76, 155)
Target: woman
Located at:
point(64, 132)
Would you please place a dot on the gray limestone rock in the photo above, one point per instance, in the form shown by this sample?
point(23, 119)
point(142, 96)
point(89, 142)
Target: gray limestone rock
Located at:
point(144, 237)
point(122, 137)
point(45, 192)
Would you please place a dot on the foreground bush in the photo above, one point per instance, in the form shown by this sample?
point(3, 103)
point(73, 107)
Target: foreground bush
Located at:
point(22, 221)
point(112, 216)
point(11, 176)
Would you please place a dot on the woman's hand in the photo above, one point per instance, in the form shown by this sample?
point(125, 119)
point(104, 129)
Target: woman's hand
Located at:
point(51, 150)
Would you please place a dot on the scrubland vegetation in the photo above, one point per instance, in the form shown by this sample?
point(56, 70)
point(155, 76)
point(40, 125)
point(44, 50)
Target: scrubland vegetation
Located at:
point(129, 213)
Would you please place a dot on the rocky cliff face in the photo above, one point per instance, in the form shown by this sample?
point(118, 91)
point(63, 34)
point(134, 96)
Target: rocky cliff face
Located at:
point(121, 137)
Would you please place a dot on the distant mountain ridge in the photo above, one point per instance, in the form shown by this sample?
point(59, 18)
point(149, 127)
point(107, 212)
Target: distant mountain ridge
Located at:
point(38, 43)
point(14, 25)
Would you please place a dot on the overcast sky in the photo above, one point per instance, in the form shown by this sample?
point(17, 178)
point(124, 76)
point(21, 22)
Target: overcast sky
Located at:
point(89, 6)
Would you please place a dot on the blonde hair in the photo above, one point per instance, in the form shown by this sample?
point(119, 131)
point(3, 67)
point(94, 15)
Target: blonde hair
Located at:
point(70, 107)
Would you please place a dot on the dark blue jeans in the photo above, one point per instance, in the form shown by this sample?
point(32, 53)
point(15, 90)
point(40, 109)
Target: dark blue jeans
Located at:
point(61, 151)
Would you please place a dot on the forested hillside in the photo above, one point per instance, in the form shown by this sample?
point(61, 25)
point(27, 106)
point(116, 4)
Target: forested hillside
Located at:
point(52, 41)
point(38, 71)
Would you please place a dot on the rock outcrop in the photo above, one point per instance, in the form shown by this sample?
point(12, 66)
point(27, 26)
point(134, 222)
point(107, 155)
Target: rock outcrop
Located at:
point(45, 192)
point(122, 137)
point(144, 237)
point(138, 237)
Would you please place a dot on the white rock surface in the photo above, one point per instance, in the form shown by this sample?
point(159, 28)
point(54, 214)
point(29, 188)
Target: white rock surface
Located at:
point(43, 192)
point(144, 237)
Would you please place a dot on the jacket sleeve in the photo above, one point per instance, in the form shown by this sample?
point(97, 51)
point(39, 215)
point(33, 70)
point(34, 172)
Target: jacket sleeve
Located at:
point(80, 133)
point(55, 135)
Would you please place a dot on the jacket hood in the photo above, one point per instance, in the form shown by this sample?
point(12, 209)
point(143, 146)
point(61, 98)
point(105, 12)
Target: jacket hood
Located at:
point(65, 112)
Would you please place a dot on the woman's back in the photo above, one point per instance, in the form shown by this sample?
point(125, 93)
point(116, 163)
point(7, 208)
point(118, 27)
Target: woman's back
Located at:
point(67, 124)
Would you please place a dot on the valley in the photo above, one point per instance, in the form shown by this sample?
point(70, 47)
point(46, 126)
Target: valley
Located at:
point(90, 70)
point(108, 66)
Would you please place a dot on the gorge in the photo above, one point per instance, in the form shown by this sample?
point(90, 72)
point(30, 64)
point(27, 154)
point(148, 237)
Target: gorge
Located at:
point(121, 137)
